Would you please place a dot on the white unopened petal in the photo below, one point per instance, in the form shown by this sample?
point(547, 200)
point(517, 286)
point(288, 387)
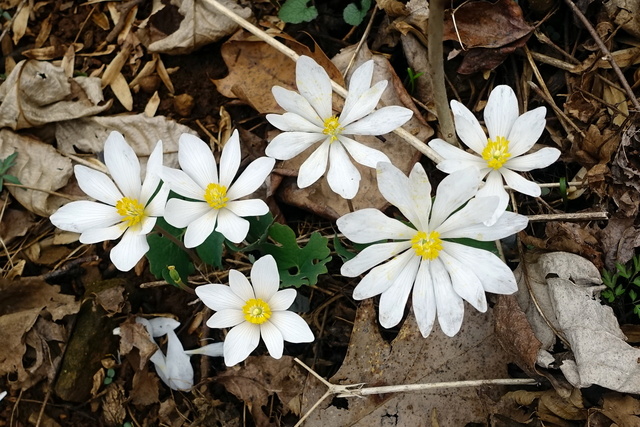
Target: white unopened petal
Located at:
point(240, 342)
point(394, 186)
point(394, 299)
point(292, 327)
point(493, 186)
point(314, 84)
point(358, 107)
point(179, 372)
point(180, 213)
point(449, 305)
point(251, 178)
point(240, 285)
point(181, 183)
point(196, 159)
point(126, 254)
point(219, 297)
point(540, 159)
point(272, 338)
point(453, 192)
point(464, 281)
point(424, 300)
point(501, 111)
point(84, 215)
point(160, 326)
point(287, 145)
point(265, 277)
point(97, 185)
point(372, 256)
point(249, 207)
point(226, 318)
point(292, 122)
point(157, 205)
point(520, 184)
point(295, 103)
point(363, 154)
point(215, 349)
point(468, 128)
point(343, 176)
point(230, 160)
point(371, 225)
point(282, 300)
point(315, 166)
point(123, 165)
point(526, 131)
point(234, 228)
point(455, 159)
point(381, 121)
point(200, 228)
point(382, 277)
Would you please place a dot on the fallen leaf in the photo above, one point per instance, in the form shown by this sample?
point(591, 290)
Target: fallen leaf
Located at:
point(623, 410)
point(145, 390)
point(625, 13)
point(619, 239)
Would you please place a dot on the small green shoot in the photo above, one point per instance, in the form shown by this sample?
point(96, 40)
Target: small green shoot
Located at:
point(623, 288)
point(108, 379)
point(353, 15)
point(297, 11)
point(4, 167)
point(410, 80)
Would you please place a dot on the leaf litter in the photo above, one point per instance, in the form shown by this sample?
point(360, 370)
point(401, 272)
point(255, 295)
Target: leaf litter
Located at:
point(58, 111)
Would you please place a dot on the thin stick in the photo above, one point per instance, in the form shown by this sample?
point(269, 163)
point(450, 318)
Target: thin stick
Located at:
point(53, 193)
point(606, 52)
point(580, 216)
point(362, 39)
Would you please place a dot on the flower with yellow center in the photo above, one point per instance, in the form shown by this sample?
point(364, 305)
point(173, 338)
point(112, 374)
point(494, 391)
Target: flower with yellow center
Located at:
point(310, 120)
point(253, 310)
point(425, 257)
point(124, 206)
point(214, 193)
point(500, 156)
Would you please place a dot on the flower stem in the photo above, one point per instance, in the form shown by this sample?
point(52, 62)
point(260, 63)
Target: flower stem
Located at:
point(192, 254)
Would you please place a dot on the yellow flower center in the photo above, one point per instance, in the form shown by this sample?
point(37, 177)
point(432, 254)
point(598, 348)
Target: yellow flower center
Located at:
point(256, 311)
point(216, 196)
point(428, 246)
point(131, 211)
point(332, 128)
point(496, 153)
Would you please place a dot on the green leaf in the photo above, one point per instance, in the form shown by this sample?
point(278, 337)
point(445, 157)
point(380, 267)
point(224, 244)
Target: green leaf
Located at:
point(342, 252)
point(636, 281)
point(210, 251)
point(163, 253)
point(12, 179)
point(297, 266)
point(622, 270)
point(633, 295)
point(619, 290)
point(353, 15)
point(636, 310)
point(297, 11)
point(608, 294)
point(258, 233)
point(607, 279)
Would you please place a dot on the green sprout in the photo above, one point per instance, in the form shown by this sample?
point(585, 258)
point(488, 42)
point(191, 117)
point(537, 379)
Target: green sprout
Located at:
point(410, 80)
point(623, 288)
point(5, 164)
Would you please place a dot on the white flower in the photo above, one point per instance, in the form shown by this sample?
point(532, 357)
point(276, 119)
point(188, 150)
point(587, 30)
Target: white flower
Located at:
point(510, 137)
point(2, 395)
point(310, 119)
point(441, 272)
point(215, 203)
point(125, 208)
point(254, 311)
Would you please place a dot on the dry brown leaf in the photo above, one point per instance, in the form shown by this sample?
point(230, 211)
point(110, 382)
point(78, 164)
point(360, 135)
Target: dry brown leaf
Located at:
point(20, 22)
point(474, 353)
point(152, 106)
point(135, 335)
point(45, 30)
point(111, 299)
point(36, 93)
point(145, 388)
point(121, 90)
point(116, 64)
point(619, 240)
point(50, 52)
point(623, 410)
point(113, 405)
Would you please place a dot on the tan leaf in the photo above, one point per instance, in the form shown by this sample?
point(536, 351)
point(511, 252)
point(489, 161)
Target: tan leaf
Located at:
point(121, 90)
point(152, 106)
point(20, 22)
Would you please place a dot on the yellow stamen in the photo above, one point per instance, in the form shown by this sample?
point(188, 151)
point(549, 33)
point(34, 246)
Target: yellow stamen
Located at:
point(216, 196)
point(428, 246)
point(131, 210)
point(256, 311)
point(496, 153)
point(332, 128)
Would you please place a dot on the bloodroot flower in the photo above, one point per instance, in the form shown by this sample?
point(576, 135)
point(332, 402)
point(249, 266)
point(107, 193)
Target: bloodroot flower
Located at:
point(310, 119)
point(214, 203)
point(127, 208)
point(254, 310)
point(497, 157)
point(425, 258)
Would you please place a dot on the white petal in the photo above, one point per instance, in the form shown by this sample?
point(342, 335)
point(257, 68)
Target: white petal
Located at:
point(160, 326)
point(476, 211)
point(526, 131)
point(158, 203)
point(197, 161)
point(287, 145)
point(251, 178)
point(3, 395)
point(394, 186)
point(468, 128)
point(455, 159)
point(501, 111)
point(382, 277)
point(420, 193)
point(292, 327)
point(371, 225)
point(250, 207)
point(272, 338)
point(126, 254)
point(540, 159)
point(363, 154)
point(495, 275)
point(508, 223)
point(292, 122)
point(234, 228)
point(314, 84)
point(282, 300)
point(449, 305)
point(315, 166)
point(394, 299)
point(466, 284)
point(343, 177)
point(520, 184)
point(152, 176)
point(84, 215)
point(144, 227)
point(201, 228)
point(295, 103)
point(356, 108)
point(181, 183)
point(381, 121)
point(219, 297)
point(372, 256)
point(240, 286)
point(180, 213)
point(452, 192)
point(226, 318)
point(123, 165)
point(97, 185)
point(240, 342)
point(359, 83)
point(265, 278)
point(230, 159)
point(215, 349)
point(96, 235)
point(493, 186)
point(179, 370)
point(424, 300)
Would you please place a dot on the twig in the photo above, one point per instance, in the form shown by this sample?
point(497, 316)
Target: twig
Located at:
point(606, 52)
point(362, 39)
point(557, 110)
point(53, 193)
point(7, 25)
point(580, 216)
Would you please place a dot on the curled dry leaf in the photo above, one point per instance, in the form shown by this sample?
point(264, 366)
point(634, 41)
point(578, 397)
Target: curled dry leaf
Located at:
point(179, 27)
point(36, 93)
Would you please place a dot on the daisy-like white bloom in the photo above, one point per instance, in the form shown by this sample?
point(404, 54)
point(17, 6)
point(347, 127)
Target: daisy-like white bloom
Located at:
point(441, 272)
point(510, 136)
point(254, 310)
point(310, 119)
point(127, 208)
point(215, 198)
